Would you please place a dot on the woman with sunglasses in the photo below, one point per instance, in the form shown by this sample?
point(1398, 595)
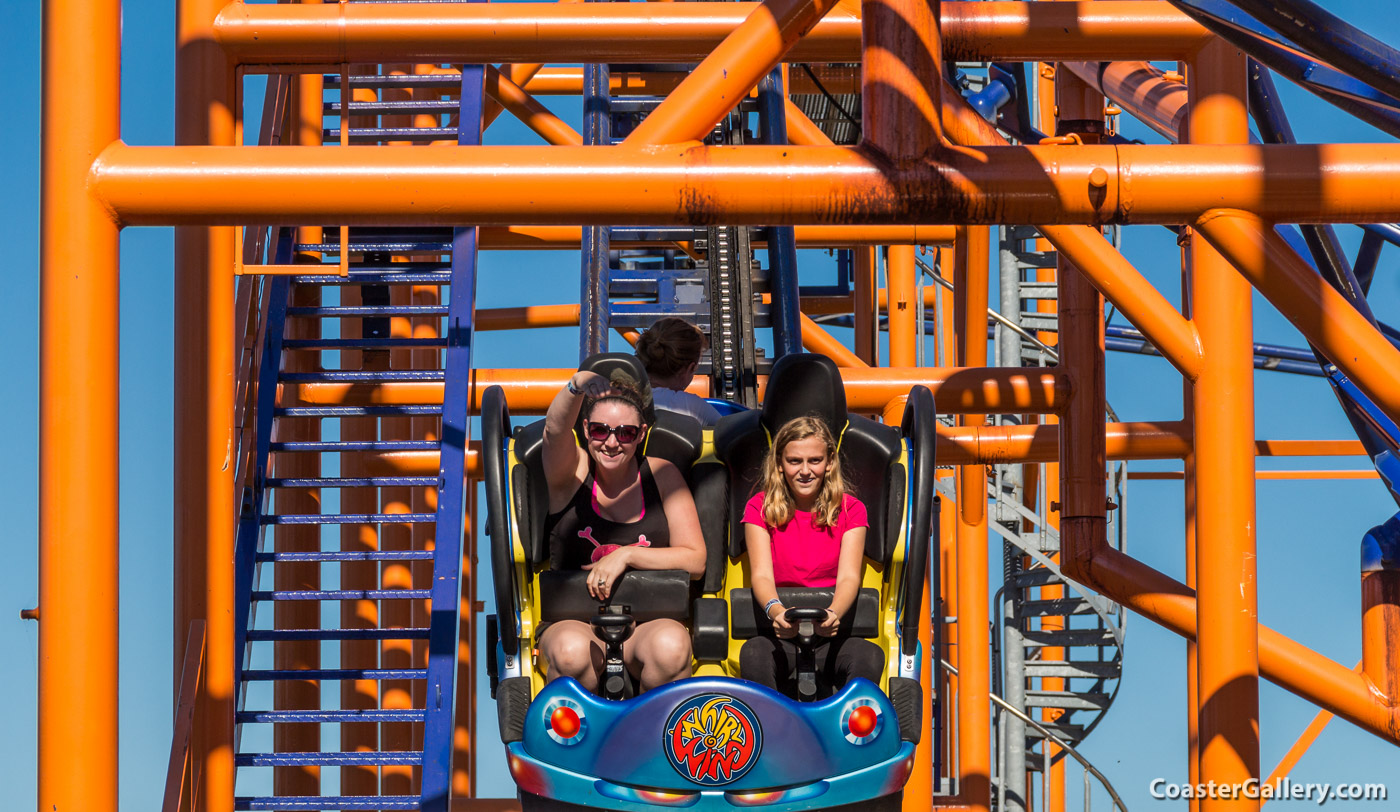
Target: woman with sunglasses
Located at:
point(610, 510)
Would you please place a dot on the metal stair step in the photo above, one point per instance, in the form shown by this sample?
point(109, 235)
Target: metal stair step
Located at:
point(393, 108)
point(1040, 290)
point(1069, 637)
point(402, 278)
point(1072, 669)
point(1037, 577)
point(361, 482)
point(1059, 607)
point(377, 246)
point(279, 635)
point(319, 802)
point(332, 759)
point(368, 715)
point(333, 674)
point(1068, 700)
point(341, 594)
point(1069, 732)
point(373, 135)
point(1045, 322)
point(363, 343)
point(362, 376)
point(352, 518)
point(410, 410)
point(329, 446)
point(343, 311)
point(340, 556)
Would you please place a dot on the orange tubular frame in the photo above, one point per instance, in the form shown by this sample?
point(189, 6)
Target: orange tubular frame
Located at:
point(928, 171)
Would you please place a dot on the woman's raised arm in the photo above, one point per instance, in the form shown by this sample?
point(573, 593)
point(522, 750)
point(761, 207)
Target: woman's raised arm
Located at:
point(561, 450)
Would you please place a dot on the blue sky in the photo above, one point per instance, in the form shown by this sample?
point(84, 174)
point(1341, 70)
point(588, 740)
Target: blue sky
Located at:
point(1308, 531)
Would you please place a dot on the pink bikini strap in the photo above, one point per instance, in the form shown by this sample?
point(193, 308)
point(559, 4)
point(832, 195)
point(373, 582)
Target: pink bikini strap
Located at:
point(598, 508)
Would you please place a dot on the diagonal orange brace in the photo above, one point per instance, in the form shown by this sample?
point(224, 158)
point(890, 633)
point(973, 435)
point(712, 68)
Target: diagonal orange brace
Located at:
point(529, 110)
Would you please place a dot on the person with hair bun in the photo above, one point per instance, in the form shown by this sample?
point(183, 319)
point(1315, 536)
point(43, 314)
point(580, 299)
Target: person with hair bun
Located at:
point(805, 530)
point(670, 350)
point(610, 510)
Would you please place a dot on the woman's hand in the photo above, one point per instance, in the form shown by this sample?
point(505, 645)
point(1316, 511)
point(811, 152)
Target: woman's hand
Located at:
point(829, 626)
point(591, 384)
point(781, 626)
point(603, 573)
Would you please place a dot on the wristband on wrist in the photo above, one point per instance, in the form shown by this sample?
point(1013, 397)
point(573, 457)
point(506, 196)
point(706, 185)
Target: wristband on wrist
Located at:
point(573, 390)
point(768, 607)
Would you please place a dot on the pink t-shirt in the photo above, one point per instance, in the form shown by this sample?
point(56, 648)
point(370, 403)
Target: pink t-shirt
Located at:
point(804, 555)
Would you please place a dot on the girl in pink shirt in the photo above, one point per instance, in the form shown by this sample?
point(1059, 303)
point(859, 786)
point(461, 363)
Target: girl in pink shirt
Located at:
point(804, 530)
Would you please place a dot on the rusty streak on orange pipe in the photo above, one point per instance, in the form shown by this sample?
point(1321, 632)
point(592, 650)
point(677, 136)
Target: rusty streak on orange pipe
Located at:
point(729, 72)
point(957, 390)
point(748, 185)
point(1323, 316)
point(679, 32)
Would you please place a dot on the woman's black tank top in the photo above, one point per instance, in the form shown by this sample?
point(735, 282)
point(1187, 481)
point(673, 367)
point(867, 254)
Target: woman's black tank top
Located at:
point(577, 532)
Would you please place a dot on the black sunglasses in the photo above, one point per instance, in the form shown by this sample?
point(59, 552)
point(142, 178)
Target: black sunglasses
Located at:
point(599, 432)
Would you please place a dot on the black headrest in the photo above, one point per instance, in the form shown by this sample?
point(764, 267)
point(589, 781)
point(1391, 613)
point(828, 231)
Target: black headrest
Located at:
point(625, 368)
point(804, 384)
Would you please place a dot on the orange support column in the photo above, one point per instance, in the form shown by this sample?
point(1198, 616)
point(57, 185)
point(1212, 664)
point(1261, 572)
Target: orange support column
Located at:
point(865, 315)
point(974, 635)
point(204, 370)
point(1227, 654)
point(78, 395)
point(902, 278)
point(901, 83)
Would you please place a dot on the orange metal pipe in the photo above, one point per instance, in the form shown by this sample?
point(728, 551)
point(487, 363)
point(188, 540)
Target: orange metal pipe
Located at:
point(1227, 650)
point(521, 74)
point(685, 32)
point(1141, 90)
point(750, 185)
point(727, 75)
point(530, 112)
point(1380, 632)
point(1317, 310)
point(957, 390)
point(864, 307)
point(902, 276)
point(901, 78)
point(815, 339)
point(532, 316)
point(997, 445)
point(78, 398)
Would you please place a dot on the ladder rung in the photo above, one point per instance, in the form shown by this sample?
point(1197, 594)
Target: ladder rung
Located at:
point(361, 482)
point(356, 445)
point(353, 518)
point(369, 757)
point(368, 715)
point(334, 674)
point(341, 594)
point(319, 802)
point(338, 556)
point(278, 635)
point(362, 376)
point(403, 278)
point(359, 411)
point(341, 311)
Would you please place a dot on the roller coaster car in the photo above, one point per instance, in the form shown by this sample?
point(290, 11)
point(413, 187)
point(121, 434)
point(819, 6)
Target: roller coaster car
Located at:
point(713, 741)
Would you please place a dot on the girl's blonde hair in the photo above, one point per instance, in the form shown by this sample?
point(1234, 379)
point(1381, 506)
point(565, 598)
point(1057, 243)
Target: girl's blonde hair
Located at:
point(778, 504)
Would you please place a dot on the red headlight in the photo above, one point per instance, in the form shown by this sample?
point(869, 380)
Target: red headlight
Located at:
point(564, 721)
point(861, 723)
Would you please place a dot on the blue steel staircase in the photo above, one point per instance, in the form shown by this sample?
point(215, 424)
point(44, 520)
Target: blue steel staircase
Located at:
point(362, 409)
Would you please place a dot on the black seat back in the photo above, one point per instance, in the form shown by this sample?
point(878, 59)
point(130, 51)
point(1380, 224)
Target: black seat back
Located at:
point(808, 384)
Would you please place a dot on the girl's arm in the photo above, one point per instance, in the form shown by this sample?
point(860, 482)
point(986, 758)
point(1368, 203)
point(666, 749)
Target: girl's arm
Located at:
point(760, 546)
point(562, 456)
point(848, 572)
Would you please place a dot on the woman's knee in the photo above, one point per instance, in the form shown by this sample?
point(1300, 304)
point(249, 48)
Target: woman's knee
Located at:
point(669, 649)
point(570, 652)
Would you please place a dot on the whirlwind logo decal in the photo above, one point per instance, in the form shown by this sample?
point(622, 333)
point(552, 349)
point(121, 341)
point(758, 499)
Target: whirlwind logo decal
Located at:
point(712, 739)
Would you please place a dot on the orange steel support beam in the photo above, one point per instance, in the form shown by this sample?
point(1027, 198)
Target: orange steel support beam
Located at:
point(204, 497)
point(750, 185)
point(816, 339)
point(555, 81)
point(973, 633)
point(78, 397)
point(996, 445)
point(957, 390)
point(687, 32)
point(1380, 631)
point(901, 69)
point(533, 114)
point(902, 275)
point(1318, 311)
point(864, 307)
point(1141, 90)
point(728, 73)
